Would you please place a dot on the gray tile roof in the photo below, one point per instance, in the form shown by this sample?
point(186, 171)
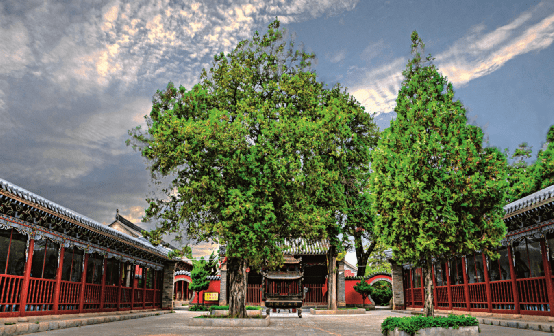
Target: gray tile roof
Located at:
point(302, 247)
point(530, 200)
point(36, 199)
point(209, 277)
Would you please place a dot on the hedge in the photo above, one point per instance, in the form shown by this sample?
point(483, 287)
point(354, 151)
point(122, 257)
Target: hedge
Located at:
point(411, 324)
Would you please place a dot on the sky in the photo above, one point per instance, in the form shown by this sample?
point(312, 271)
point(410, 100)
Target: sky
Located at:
point(75, 76)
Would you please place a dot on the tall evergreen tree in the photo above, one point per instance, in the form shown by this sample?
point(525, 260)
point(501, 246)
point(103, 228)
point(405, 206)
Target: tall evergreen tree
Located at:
point(258, 152)
point(520, 175)
point(437, 191)
point(543, 170)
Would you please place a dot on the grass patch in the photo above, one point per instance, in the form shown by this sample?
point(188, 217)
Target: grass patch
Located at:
point(9, 323)
point(199, 308)
point(411, 324)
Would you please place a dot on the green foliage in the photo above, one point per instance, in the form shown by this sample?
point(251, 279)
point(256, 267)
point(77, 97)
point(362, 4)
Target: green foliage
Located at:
point(381, 293)
point(198, 308)
point(363, 288)
point(219, 308)
point(253, 307)
point(199, 275)
point(377, 261)
point(520, 175)
point(257, 152)
point(543, 170)
point(412, 324)
point(437, 191)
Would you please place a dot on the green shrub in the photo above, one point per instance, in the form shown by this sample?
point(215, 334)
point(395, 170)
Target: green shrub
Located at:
point(198, 308)
point(411, 324)
point(253, 307)
point(381, 293)
point(219, 308)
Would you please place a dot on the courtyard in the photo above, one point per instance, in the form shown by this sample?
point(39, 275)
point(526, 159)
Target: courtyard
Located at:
point(281, 324)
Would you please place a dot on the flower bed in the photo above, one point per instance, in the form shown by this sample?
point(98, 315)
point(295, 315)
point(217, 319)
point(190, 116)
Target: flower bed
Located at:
point(457, 324)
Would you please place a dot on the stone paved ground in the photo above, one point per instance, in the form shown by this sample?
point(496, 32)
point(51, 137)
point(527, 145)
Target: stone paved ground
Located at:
point(285, 324)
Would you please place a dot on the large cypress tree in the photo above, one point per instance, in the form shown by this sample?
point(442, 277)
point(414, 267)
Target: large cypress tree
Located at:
point(437, 191)
point(257, 152)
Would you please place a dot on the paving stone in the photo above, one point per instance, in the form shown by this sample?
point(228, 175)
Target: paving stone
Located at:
point(534, 326)
point(43, 326)
point(62, 325)
point(10, 329)
point(22, 328)
point(33, 327)
point(53, 325)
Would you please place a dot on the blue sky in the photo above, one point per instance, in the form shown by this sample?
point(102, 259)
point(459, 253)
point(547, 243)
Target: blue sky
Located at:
point(76, 75)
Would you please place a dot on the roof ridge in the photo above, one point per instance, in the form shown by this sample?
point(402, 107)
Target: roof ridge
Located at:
point(61, 210)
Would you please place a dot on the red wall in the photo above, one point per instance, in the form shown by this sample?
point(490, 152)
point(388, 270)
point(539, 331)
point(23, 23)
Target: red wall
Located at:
point(214, 287)
point(352, 297)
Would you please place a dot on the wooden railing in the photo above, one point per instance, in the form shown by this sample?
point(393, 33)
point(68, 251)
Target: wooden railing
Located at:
point(254, 294)
point(502, 296)
point(10, 292)
point(125, 300)
point(315, 294)
point(110, 297)
point(442, 296)
point(533, 296)
point(418, 297)
point(478, 296)
point(92, 296)
point(149, 298)
point(138, 298)
point(458, 297)
point(69, 297)
point(40, 297)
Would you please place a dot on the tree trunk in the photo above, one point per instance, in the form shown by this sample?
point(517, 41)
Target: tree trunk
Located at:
point(332, 280)
point(428, 308)
point(237, 287)
point(362, 255)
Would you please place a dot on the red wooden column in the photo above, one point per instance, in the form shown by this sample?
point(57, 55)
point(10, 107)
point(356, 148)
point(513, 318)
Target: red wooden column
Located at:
point(412, 287)
point(58, 281)
point(103, 292)
point(155, 275)
point(515, 292)
point(466, 284)
point(547, 277)
point(434, 287)
point(144, 274)
point(422, 289)
point(83, 285)
point(26, 278)
point(487, 282)
point(447, 270)
point(133, 287)
point(119, 282)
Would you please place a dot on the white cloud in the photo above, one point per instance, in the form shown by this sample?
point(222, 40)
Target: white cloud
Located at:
point(377, 89)
point(480, 54)
point(337, 56)
point(15, 54)
point(475, 55)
